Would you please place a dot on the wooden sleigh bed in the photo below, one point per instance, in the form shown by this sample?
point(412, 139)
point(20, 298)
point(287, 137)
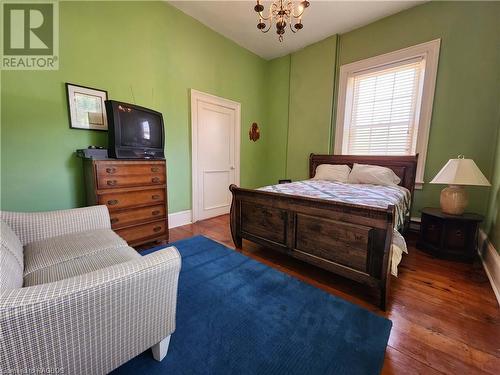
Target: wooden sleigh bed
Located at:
point(350, 240)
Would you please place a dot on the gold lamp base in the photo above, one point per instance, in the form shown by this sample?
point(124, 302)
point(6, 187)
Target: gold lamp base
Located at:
point(453, 200)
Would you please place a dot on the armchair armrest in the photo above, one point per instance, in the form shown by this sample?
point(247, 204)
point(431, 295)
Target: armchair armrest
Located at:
point(91, 323)
point(35, 226)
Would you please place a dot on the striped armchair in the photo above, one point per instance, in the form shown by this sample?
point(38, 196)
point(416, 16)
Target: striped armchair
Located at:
point(75, 299)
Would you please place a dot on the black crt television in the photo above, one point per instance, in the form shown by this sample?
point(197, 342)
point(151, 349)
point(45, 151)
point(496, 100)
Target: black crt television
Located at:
point(134, 132)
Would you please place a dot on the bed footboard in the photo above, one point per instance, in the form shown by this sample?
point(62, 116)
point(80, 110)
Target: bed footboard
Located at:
point(349, 240)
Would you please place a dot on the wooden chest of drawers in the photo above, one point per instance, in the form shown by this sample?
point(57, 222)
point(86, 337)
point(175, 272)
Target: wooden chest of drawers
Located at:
point(135, 193)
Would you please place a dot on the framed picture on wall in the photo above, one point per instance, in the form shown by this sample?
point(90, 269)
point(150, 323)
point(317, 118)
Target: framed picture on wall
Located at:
point(86, 107)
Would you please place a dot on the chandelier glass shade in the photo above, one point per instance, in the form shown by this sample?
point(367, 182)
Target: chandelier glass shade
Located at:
point(282, 13)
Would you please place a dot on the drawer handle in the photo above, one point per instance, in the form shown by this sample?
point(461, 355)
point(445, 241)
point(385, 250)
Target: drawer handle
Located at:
point(112, 202)
point(114, 220)
point(155, 197)
point(459, 233)
point(155, 179)
point(155, 212)
point(111, 170)
point(156, 229)
point(155, 169)
point(111, 182)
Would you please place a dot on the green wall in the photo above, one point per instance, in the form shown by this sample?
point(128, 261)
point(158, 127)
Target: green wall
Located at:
point(152, 48)
point(464, 119)
point(276, 109)
point(492, 225)
point(312, 73)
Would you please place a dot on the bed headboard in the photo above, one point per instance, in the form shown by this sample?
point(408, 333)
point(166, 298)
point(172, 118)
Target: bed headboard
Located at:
point(405, 167)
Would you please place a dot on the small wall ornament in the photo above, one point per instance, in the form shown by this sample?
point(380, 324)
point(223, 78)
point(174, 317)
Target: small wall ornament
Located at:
point(254, 132)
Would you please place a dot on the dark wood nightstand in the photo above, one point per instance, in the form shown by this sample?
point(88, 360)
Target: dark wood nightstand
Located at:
point(449, 236)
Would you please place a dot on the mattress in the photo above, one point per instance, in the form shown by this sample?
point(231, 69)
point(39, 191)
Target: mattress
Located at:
point(361, 194)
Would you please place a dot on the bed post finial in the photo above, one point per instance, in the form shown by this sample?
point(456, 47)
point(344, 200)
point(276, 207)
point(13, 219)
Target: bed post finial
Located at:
point(312, 168)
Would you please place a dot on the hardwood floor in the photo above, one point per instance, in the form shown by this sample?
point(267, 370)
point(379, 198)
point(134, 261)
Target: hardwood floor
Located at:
point(445, 317)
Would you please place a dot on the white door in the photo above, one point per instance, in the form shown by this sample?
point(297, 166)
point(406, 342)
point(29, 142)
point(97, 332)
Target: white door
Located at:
point(215, 141)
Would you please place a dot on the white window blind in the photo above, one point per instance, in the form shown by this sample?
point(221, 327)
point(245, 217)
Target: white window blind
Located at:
point(382, 109)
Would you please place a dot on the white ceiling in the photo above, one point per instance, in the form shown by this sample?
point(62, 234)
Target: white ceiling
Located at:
point(237, 21)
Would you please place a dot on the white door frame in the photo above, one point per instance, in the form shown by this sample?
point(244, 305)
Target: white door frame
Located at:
point(197, 96)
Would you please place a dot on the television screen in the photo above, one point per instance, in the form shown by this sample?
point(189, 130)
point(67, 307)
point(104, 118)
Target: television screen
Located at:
point(135, 132)
point(140, 128)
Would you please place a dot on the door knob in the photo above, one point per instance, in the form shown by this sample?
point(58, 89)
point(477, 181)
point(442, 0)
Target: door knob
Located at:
point(231, 167)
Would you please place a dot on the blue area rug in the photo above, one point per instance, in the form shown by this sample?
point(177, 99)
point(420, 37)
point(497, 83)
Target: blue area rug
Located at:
point(238, 316)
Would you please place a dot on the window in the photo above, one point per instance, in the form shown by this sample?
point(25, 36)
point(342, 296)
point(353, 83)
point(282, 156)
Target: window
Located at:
point(383, 111)
point(385, 104)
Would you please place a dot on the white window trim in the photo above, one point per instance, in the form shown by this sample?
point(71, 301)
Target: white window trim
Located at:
point(430, 52)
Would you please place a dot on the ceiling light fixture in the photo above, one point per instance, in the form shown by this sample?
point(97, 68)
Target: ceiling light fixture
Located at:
point(281, 12)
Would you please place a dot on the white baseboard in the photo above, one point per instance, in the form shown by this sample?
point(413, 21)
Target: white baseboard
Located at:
point(491, 262)
point(180, 218)
point(415, 223)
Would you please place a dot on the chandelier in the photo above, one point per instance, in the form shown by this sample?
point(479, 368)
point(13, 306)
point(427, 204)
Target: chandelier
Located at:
point(283, 13)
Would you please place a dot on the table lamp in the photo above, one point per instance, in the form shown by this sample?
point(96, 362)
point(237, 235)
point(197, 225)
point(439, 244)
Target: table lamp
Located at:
point(457, 173)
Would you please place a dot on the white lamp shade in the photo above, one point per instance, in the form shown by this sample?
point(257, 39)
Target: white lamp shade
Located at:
point(461, 172)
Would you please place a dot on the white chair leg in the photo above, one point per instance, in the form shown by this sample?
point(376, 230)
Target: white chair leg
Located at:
point(160, 350)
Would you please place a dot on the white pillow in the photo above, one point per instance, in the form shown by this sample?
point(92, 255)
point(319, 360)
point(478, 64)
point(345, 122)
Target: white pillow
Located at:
point(330, 172)
point(373, 174)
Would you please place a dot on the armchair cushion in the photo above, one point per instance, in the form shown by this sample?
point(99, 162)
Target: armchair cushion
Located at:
point(35, 226)
point(80, 265)
point(11, 259)
point(60, 249)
